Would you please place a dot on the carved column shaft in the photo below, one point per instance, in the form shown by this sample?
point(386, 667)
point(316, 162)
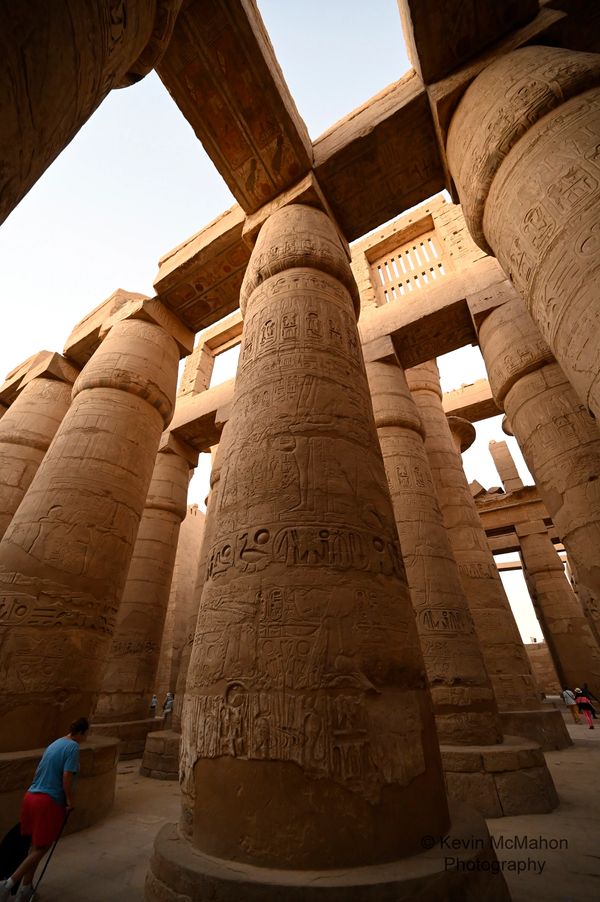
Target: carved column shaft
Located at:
point(463, 700)
point(129, 677)
point(65, 556)
point(573, 647)
point(59, 60)
point(503, 651)
point(523, 153)
point(558, 438)
point(306, 679)
point(26, 431)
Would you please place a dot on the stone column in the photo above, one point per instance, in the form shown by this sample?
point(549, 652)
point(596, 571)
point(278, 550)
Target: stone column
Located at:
point(65, 556)
point(162, 750)
point(181, 598)
point(558, 438)
point(504, 654)
point(571, 642)
point(505, 465)
point(29, 426)
point(517, 780)
point(128, 681)
point(306, 684)
point(58, 62)
point(463, 700)
point(522, 150)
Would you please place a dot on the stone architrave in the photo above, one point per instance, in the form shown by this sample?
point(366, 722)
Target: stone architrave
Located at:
point(29, 426)
point(58, 64)
point(463, 700)
point(128, 680)
point(306, 681)
point(181, 599)
point(65, 555)
point(503, 651)
point(474, 751)
point(523, 153)
point(570, 639)
point(558, 438)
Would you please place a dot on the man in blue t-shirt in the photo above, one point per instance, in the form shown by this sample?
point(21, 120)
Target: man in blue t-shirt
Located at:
point(46, 804)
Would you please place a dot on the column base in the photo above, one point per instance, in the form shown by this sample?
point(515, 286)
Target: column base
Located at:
point(545, 726)
point(500, 780)
point(130, 733)
point(95, 786)
point(161, 755)
point(440, 874)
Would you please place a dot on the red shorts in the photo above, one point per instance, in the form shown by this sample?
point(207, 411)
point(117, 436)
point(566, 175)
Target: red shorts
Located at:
point(41, 818)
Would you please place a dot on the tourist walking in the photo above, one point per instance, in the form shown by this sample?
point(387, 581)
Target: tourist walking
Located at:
point(168, 710)
point(153, 704)
point(568, 697)
point(585, 706)
point(46, 805)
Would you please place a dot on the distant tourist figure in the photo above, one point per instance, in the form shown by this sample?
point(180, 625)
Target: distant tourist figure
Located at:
point(587, 691)
point(153, 704)
point(168, 710)
point(568, 697)
point(46, 804)
point(585, 706)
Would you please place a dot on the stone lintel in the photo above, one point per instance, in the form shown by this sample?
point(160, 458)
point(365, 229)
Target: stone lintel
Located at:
point(200, 280)
point(379, 349)
point(221, 70)
point(308, 192)
point(199, 419)
point(381, 159)
point(481, 303)
point(85, 337)
point(441, 37)
point(445, 94)
point(152, 310)
point(531, 528)
point(170, 444)
point(48, 364)
point(471, 402)
point(224, 334)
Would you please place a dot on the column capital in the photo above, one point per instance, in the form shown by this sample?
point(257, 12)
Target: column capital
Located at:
point(463, 432)
point(45, 364)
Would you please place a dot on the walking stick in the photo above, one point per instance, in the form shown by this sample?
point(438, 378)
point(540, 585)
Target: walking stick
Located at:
point(35, 888)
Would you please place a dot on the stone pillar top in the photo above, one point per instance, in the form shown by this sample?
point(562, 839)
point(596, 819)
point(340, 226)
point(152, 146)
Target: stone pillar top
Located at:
point(88, 334)
point(308, 232)
point(506, 427)
point(47, 364)
point(170, 444)
point(505, 465)
point(151, 55)
point(425, 377)
point(488, 123)
point(463, 432)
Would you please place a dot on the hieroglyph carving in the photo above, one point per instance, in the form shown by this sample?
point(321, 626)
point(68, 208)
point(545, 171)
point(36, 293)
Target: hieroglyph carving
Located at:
point(301, 625)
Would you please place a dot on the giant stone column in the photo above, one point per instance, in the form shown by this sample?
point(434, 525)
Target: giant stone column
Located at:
point(498, 775)
point(40, 401)
point(306, 701)
point(523, 152)
point(504, 654)
point(128, 681)
point(558, 438)
point(65, 556)
point(58, 61)
point(570, 639)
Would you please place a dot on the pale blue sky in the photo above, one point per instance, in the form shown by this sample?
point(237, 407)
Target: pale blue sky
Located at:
point(135, 182)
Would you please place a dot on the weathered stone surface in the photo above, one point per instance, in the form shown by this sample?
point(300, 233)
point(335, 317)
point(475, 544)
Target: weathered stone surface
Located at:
point(546, 727)
point(218, 62)
point(504, 655)
point(570, 639)
point(64, 558)
point(526, 789)
point(129, 678)
point(58, 65)
point(521, 149)
point(463, 701)
point(559, 439)
point(543, 668)
point(305, 626)
point(179, 872)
